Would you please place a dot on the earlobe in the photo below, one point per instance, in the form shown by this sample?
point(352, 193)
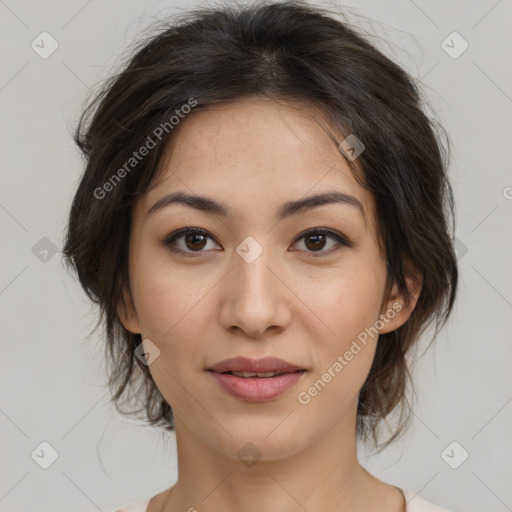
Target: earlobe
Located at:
point(397, 312)
point(127, 314)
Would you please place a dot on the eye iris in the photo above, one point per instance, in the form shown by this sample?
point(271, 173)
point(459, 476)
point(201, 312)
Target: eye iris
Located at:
point(194, 237)
point(319, 244)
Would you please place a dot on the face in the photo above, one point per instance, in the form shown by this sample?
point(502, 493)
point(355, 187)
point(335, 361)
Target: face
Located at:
point(302, 284)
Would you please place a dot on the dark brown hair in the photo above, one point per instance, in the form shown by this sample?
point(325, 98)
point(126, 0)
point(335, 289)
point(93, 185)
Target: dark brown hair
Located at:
point(286, 51)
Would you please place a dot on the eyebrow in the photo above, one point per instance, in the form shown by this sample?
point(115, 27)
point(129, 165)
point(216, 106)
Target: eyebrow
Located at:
point(287, 209)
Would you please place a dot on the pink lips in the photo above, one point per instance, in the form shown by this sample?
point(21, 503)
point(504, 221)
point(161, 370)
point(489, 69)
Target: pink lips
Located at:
point(256, 389)
point(244, 364)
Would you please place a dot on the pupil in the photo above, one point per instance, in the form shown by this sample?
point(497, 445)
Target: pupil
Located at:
point(320, 240)
point(194, 237)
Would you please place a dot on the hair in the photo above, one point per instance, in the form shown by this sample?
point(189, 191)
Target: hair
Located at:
point(285, 51)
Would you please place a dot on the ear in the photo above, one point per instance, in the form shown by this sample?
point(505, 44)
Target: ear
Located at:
point(127, 314)
point(396, 311)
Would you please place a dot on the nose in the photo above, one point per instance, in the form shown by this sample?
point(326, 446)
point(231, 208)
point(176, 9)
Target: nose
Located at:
point(255, 298)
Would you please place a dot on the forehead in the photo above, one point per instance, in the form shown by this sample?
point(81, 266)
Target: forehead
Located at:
point(252, 132)
point(255, 152)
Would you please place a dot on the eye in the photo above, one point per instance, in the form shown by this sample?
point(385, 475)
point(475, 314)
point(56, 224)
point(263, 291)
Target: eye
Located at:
point(315, 241)
point(194, 240)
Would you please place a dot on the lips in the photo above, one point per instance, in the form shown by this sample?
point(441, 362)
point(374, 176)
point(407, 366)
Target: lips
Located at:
point(256, 380)
point(255, 389)
point(265, 365)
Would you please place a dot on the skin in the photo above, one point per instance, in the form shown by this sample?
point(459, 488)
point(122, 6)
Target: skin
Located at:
point(253, 155)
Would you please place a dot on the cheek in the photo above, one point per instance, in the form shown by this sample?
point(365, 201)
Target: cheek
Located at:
point(174, 312)
point(167, 318)
point(166, 296)
point(349, 303)
point(349, 307)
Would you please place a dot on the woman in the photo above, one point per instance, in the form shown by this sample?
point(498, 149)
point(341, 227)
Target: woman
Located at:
point(263, 223)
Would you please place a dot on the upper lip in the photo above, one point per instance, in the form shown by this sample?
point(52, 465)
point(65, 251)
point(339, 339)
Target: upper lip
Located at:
point(244, 364)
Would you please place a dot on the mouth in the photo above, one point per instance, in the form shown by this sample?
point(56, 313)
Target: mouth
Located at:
point(246, 367)
point(256, 380)
point(259, 375)
point(256, 388)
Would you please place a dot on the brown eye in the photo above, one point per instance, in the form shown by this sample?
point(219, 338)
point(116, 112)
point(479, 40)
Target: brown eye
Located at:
point(195, 241)
point(188, 241)
point(316, 240)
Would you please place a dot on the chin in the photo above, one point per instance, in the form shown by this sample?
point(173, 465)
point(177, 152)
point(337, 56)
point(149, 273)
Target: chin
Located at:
point(262, 440)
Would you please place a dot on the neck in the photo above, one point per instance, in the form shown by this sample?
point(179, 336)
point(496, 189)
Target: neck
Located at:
point(325, 475)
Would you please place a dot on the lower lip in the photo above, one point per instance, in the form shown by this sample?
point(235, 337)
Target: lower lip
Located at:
point(256, 389)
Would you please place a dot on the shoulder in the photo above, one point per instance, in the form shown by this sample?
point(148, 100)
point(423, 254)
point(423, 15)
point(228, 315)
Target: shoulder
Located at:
point(140, 506)
point(416, 503)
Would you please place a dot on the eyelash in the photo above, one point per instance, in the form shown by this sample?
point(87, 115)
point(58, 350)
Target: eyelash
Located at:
point(169, 241)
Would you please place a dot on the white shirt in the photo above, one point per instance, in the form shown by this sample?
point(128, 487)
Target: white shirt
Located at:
point(414, 504)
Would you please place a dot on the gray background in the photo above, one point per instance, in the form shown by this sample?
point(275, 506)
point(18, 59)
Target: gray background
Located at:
point(51, 378)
